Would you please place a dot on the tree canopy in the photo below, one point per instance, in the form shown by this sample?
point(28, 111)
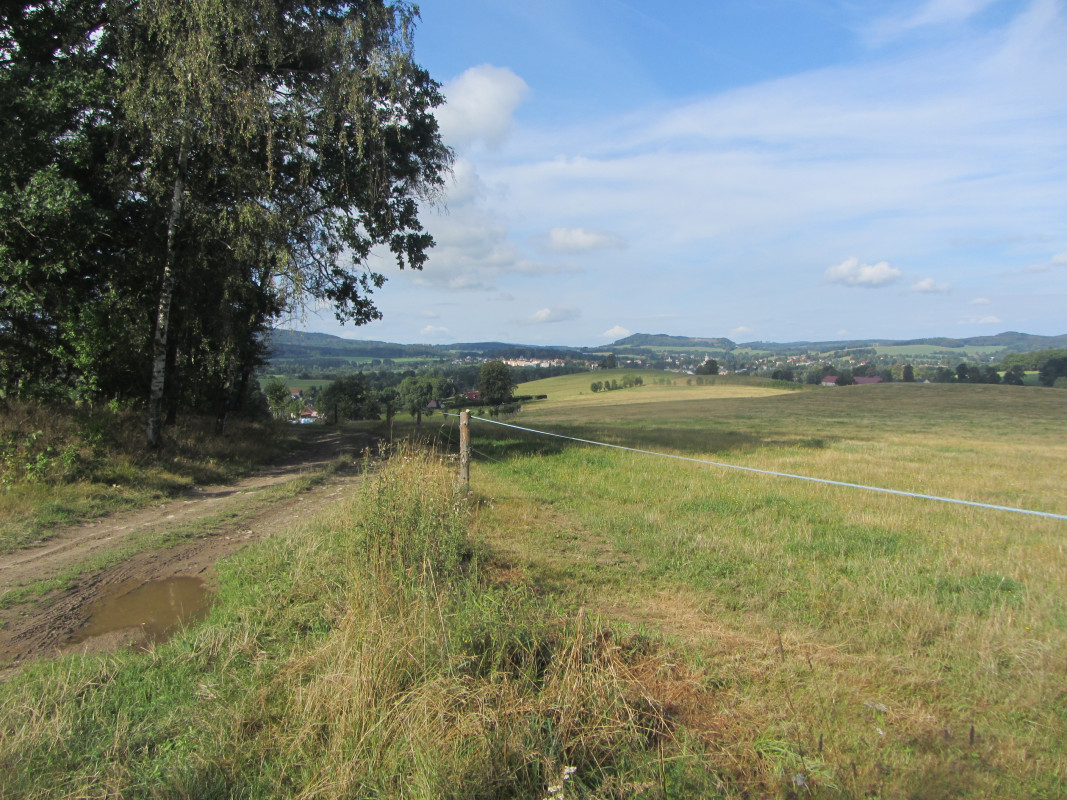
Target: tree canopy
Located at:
point(178, 174)
point(494, 384)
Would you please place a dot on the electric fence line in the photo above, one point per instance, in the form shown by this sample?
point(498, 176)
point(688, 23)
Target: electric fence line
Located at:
point(776, 474)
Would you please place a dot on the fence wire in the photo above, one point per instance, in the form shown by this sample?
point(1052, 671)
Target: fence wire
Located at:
point(807, 478)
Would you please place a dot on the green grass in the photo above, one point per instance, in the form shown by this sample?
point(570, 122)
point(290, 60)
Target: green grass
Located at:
point(666, 627)
point(247, 507)
point(574, 390)
point(62, 466)
point(811, 601)
point(366, 654)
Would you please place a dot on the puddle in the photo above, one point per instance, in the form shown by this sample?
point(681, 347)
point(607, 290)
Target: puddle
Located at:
point(145, 613)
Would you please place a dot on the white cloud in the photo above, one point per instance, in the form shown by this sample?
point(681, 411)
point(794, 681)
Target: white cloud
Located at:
point(547, 315)
point(1058, 260)
point(931, 13)
point(851, 272)
point(465, 185)
point(990, 320)
point(740, 330)
point(433, 331)
point(473, 252)
point(579, 240)
point(480, 105)
point(618, 332)
point(980, 301)
point(930, 286)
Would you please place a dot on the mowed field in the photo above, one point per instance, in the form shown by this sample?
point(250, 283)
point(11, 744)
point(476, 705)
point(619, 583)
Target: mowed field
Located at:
point(835, 640)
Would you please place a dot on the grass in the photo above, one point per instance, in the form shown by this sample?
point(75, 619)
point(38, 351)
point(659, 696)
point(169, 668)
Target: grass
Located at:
point(248, 507)
point(666, 628)
point(574, 390)
point(365, 654)
point(61, 466)
point(859, 638)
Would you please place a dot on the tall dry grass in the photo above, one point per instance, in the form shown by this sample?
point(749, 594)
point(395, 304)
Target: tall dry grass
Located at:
point(369, 653)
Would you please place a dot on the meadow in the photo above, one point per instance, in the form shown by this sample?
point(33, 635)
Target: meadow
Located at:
point(593, 622)
point(853, 643)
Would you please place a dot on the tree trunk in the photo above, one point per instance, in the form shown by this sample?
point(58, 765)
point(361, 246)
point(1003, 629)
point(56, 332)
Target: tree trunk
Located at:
point(226, 402)
point(166, 294)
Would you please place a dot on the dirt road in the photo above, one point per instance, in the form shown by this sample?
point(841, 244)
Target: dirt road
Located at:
point(98, 564)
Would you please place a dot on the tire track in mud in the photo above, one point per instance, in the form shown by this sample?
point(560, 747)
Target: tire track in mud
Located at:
point(212, 523)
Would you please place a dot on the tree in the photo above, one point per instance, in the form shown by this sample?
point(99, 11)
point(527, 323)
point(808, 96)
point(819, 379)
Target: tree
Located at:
point(277, 396)
point(414, 395)
point(909, 374)
point(1015, 376)
point(709, 367)
point(313, 127)
point(1051, 370)
point(494, 383)
point(197, 168)
point(608, 362)
point(345, 398)
point(59, 205)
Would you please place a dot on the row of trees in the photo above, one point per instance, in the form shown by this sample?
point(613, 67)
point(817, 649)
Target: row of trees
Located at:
point(361, 396)
point(178, 174)
point(627, 382)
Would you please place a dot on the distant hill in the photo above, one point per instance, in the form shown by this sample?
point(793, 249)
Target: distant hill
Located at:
point(661, 340)
point(326, 349)
point(1009, 340)
point(292, 348)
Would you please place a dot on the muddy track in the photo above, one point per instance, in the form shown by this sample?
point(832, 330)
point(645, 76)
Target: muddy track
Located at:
point(109, 559)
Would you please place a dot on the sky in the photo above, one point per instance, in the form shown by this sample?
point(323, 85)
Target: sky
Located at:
point(762, 170)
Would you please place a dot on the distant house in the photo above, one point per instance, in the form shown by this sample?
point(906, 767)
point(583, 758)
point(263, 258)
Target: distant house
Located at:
point(873, 379)
point(829, 380)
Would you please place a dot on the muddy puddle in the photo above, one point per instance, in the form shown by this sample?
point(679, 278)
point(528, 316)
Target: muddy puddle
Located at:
point(146, 613)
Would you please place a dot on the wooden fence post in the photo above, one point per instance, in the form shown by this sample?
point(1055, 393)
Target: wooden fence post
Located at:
point(465, 449)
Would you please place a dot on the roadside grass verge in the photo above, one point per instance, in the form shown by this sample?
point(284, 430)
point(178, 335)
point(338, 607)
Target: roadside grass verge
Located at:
point(249, 507)
point(861, 644)
point(369, 653)
point(59, 466)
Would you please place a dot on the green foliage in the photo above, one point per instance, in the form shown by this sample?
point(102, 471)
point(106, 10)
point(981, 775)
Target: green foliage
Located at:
point(1052, 370)
point(201, 166)
point(1032, 361)
point(59, 465)
point(495, 385)
point(414, 395)
point(277, 393)
point(348, 398)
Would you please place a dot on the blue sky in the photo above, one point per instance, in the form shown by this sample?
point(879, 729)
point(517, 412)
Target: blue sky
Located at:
point(773, 170)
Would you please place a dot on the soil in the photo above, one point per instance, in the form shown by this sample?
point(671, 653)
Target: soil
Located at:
point(226, 518)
